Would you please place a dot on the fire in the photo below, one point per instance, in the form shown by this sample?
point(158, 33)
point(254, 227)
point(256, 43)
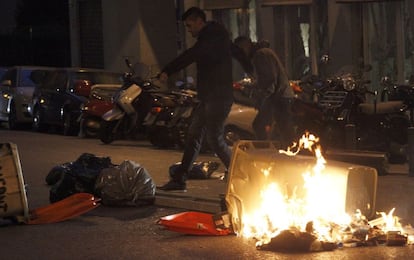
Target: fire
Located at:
point(300, 209)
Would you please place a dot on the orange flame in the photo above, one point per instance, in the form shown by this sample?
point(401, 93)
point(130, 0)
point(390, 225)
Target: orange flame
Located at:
point(278, 211)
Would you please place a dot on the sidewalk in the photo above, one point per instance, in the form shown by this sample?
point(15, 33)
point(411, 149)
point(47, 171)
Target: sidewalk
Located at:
point(201, 195)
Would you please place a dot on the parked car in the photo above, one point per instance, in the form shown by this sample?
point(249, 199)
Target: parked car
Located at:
point(2, 71)
point(100, 101)
point(16, 90)
point(57, 101)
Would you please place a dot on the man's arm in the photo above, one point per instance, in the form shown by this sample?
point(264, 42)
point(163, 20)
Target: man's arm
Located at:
point(183, 60)
point(265, 71)
point(242, 58)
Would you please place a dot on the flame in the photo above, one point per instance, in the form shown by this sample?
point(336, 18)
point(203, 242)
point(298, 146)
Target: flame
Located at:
point(279, 210)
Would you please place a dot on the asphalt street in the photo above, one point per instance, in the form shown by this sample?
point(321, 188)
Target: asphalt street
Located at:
point(132, 232)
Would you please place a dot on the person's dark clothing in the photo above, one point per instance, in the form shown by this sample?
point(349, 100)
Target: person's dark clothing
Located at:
point(212, 54)
point(274, 96)
point(208, 121)
point(278, 109)
point(242, 59)
point(270, 73)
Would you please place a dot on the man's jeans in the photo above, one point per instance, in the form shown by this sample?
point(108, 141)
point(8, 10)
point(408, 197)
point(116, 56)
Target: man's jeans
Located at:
point(208, 121)
point(278, 109)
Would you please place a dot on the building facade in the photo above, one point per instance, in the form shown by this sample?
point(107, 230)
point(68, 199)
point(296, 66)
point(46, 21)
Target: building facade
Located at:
point(351, 32)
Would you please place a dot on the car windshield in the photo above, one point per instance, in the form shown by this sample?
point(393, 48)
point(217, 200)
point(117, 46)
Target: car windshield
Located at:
point(2, 72)
point(59, 79)
point(55, 79)
point(25, 78)
point(99, 77)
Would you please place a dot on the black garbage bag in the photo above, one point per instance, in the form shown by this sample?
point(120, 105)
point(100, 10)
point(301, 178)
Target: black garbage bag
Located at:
point(199, 171)
point(74, 177)
point(128, 184)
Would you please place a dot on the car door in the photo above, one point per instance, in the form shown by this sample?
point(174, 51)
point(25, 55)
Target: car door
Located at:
point(6, 84)
point(23, 93)
point(52, 96)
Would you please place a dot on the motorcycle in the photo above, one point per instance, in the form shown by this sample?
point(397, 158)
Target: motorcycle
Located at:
point(336, 108)
point(352, 122)
point(238, 124)
point(98, 104)
point(132, 102)
point(399, 93)
point(167, 123)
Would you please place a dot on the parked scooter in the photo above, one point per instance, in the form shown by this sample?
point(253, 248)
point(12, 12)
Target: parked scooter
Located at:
point(333, 108)
point(375, 126)
point(399, 93)
point(238, 124)
point(100, 102)
point(132, 103)
point(167, 123)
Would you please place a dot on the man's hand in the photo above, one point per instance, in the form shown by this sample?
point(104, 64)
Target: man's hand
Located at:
point(163, 77)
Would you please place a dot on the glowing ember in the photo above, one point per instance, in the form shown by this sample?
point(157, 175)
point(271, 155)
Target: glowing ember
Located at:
point(300, 209)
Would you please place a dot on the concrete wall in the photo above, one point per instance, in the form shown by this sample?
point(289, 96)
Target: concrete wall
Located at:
point(148, 31)
point(344, 35)
point(139, 30)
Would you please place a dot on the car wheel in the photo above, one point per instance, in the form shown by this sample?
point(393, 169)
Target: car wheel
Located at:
point(68, 128)
point(90, 131)
point(37, 124)
point(13, 125)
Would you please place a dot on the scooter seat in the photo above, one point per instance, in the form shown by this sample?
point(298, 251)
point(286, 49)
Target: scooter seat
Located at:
point(381, 108)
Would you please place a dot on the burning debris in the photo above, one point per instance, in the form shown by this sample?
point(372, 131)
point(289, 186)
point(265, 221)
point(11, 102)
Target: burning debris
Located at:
point(311, 214)
point(294, 240)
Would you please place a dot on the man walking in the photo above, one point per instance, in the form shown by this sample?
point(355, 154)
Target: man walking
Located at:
point(212, 55)
point(274, 92)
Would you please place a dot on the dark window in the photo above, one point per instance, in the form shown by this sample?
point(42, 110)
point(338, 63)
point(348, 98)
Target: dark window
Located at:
point(55, 80)
point(25, 78)
point(99, 77)
point(10, 75)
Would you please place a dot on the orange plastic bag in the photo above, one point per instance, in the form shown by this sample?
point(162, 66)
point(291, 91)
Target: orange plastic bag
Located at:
point(193, 223)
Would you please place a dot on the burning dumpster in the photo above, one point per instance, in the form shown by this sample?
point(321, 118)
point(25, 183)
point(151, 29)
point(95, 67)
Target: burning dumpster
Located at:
point(269, 191)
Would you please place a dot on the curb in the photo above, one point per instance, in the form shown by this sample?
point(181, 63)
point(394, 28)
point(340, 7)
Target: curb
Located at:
point(174, 200)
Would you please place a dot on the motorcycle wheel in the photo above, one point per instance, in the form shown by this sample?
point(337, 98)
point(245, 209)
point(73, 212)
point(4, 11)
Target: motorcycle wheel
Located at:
point(398, 129)
point(398, 139)
point(90, 127)
point(106, 132)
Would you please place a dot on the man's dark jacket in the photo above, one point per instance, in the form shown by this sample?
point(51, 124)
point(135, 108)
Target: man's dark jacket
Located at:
point(212, 54)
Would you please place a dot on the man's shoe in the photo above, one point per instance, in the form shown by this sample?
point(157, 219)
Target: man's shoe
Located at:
point(173, 186)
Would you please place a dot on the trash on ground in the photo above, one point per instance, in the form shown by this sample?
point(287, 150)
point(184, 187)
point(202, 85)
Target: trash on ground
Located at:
point(199, 171)
point(76, 177)
point(70, 207)
point(128, 184)
point(194, 223)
